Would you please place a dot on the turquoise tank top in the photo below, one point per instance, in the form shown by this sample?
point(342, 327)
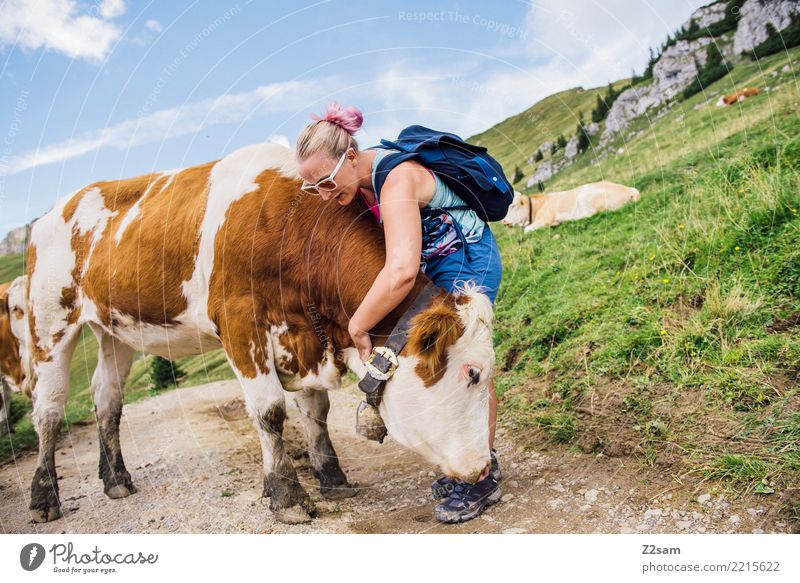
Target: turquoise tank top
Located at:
point(439, 235)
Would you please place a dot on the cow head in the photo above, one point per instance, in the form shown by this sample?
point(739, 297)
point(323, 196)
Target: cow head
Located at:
point(12, 332)
point(437, 401)
point(518, 212)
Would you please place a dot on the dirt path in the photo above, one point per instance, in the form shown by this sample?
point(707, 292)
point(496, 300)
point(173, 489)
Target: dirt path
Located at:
point(195, 460)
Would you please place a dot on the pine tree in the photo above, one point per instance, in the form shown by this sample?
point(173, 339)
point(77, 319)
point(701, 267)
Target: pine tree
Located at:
point(517, 175)
point(164, 373)
point(583, 137)
point(715, 68)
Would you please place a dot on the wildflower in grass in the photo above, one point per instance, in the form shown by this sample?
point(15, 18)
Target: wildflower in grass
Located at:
point(653, 256)
point(737, 248)
point(665, 280)
point(662, 332)
point(681, 226)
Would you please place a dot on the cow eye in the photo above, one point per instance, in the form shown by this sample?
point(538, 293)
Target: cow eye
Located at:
point(471, 373)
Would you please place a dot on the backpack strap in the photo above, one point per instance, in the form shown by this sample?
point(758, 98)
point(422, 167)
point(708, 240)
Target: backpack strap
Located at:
point(387, 164)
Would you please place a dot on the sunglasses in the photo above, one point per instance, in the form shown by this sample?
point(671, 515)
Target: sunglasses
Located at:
point(326, 184)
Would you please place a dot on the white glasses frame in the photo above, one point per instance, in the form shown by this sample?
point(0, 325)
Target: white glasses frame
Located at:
point(314, 189)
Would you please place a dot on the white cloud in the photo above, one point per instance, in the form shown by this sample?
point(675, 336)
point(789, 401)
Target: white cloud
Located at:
point(286, 96)
point(61, 25)
point(280, 139)
point(154, 25)
point(615, 34)
point(112, 8)
point(468, 99)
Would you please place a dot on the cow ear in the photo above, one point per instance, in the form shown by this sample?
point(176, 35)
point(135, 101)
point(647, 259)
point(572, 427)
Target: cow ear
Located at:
point(432, 332)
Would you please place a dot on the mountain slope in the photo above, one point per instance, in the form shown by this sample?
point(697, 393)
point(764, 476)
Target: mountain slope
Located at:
point(514, 140)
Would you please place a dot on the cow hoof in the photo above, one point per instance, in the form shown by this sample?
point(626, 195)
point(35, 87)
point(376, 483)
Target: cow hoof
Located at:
point(49, 515)
point(339, 492)
point(293, 515)
point(120, 491)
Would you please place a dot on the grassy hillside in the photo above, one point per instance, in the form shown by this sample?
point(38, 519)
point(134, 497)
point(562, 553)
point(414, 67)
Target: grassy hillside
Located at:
point(669, 329)
point(514, 140)
point(11, 266)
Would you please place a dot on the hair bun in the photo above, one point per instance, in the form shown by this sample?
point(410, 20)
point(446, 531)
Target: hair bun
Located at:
point(347, 118)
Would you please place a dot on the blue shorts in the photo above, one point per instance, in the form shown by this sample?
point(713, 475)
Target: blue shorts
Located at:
point(484, 266)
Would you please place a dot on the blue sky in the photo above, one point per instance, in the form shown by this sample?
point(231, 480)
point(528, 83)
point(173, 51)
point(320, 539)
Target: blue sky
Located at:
point(116, 88)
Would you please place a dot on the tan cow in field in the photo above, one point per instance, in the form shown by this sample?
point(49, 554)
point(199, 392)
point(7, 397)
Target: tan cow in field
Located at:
point(548, 210)
point(12, 331)
point(738, 96)
point(232, 254)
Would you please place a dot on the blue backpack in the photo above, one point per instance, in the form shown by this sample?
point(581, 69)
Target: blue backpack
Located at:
point(475, 176)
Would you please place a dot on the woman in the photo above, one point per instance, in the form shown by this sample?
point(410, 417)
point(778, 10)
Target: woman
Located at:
point(333, 167)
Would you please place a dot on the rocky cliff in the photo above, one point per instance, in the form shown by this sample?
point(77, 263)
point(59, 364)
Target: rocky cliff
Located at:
point(14, 241)
point(679, 64)
point(755, 15)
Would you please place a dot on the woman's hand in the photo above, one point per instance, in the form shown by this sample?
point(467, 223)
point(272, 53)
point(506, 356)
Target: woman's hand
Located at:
point(361, 341)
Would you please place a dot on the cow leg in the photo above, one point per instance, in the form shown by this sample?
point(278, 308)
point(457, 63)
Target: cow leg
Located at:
point(289, 502)
point(314, 406)
point(249, 350)
point(114, 360)
point(51, 383)
point(5, 408)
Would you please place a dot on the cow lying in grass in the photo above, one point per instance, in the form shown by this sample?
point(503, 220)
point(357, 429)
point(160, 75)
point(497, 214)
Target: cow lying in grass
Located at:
point(738, 96)
point(548, 210)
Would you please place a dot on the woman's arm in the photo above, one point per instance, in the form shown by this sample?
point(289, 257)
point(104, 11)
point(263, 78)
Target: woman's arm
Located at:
point(403, 233)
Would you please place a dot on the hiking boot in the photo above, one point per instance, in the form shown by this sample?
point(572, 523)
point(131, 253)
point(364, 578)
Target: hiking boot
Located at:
point(468, 501)
point(442, 487)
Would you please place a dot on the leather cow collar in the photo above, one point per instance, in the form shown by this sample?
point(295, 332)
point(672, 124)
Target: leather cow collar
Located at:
point(382, 361)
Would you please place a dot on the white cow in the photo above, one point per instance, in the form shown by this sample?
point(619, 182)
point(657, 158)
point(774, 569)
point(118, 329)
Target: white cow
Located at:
point(232, 254)
point(548, 210)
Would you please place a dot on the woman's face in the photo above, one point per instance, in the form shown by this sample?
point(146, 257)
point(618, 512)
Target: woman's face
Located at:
point(320, 165)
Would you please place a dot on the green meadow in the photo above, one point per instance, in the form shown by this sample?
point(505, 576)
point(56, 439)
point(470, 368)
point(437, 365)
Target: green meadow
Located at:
point(669, 329)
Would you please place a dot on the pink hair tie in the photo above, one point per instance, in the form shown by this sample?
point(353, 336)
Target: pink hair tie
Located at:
point(347, 118)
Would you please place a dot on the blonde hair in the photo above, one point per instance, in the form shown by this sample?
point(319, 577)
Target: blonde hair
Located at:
point(331, 133)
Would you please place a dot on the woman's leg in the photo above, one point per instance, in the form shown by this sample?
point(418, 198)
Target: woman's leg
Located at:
point(486, 269)
point(462, 501)
point(492, 413)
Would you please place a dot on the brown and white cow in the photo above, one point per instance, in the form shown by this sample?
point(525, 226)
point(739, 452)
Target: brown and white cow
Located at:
point(12, 332)
point(738, 96)
point(232, 254)
point(548, 210)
